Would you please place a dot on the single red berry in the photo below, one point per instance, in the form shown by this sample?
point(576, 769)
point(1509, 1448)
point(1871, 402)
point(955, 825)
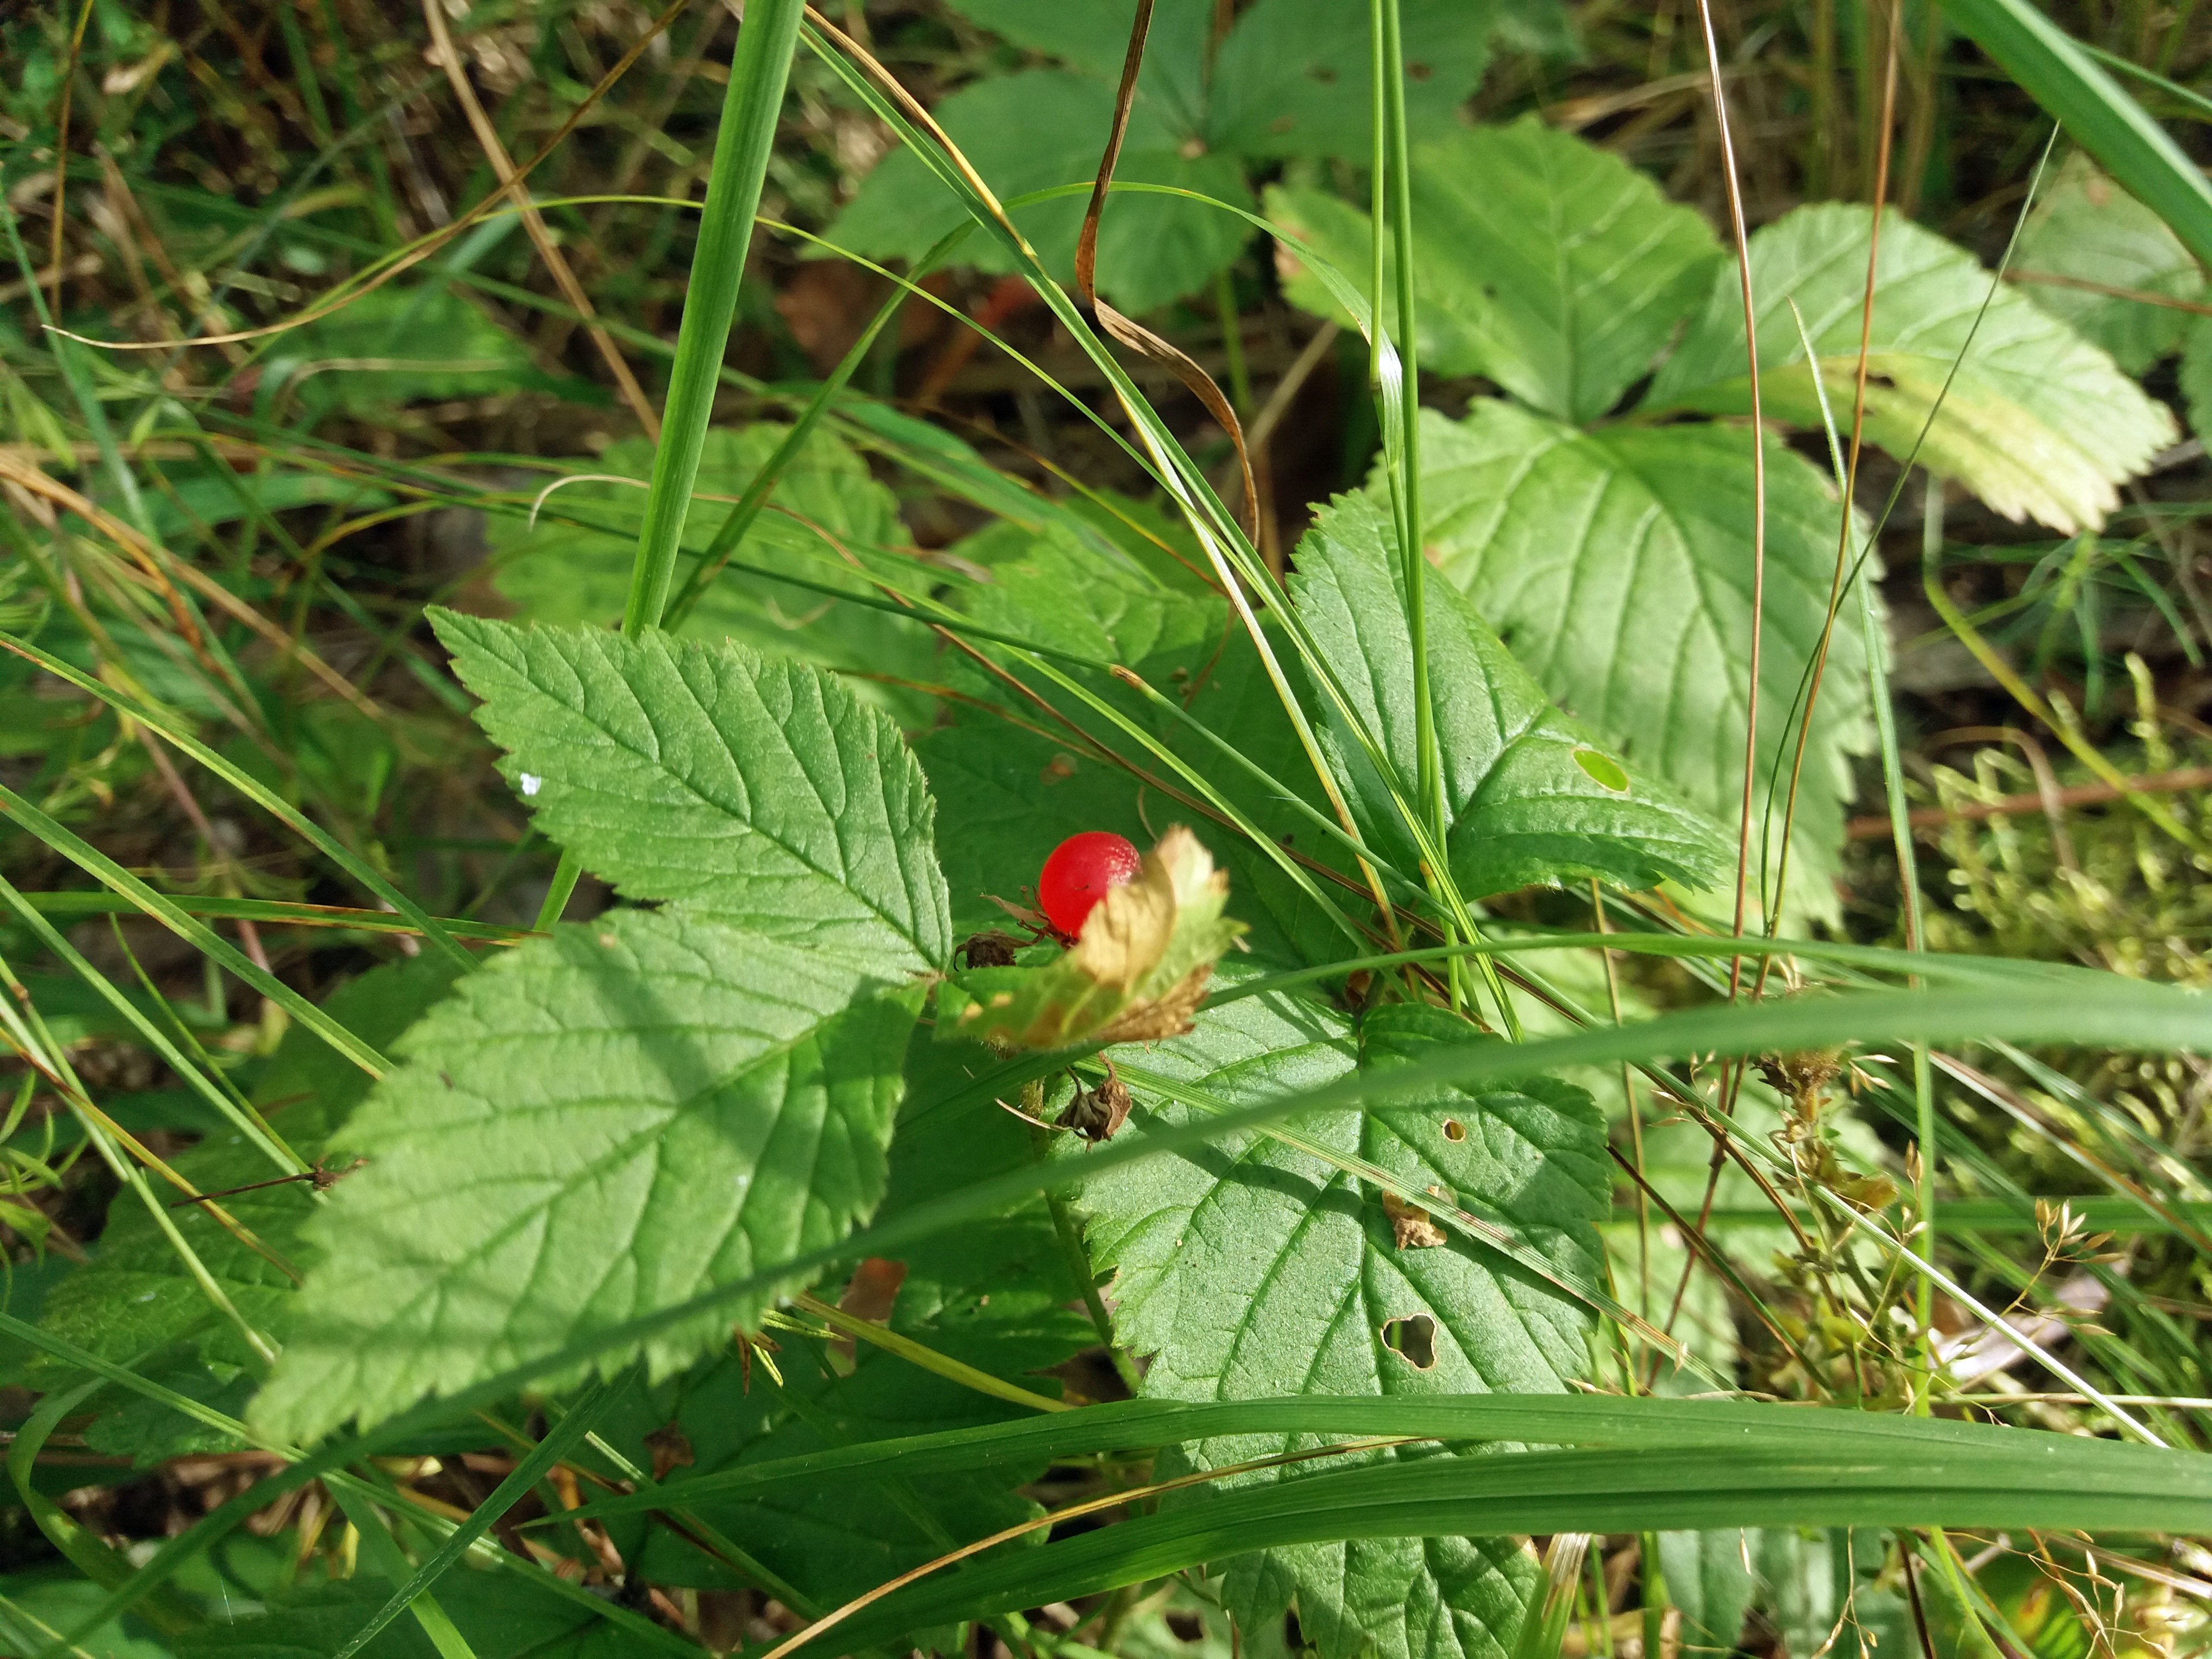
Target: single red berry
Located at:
point(1083, 870)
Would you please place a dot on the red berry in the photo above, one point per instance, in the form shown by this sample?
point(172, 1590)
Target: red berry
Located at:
point(1083, 870)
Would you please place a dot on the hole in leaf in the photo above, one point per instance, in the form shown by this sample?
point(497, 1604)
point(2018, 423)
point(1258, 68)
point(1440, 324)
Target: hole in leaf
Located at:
point(1413, 1338)
point(1454, 1129)
point(1322, 73)
point(1418, 72)
point(1602, 770)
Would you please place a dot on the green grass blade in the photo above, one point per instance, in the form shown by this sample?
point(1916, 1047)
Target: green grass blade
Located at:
point(1620, 1489)
point(275, 804)
point(750, 112)
point(2054, 69)
point(2124, 1014)
point(247, 1122)
point(268, 913)
point(525, 1475)
point(193, 931)
point(357, 1506)
point(1648, 1421)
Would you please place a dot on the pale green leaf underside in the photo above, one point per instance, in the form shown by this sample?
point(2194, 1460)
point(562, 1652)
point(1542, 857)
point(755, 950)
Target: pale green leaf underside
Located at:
point(1255, 1269)
point(1526, 790)
point(596, 1126)
point(1616, 565)
point(2087, 228)
point(760, 790)
point(2038, 422)
point(1542, 262)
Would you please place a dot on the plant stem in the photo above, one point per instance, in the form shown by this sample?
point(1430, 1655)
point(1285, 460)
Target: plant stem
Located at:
point(757, 75)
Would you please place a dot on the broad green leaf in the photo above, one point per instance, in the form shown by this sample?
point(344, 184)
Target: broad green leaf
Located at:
point(1543, 262)
point(2085, 228)
point(2037, 422)
point(759, 790)
point(1031, 130)
point(571, 567)
point(1532, 798)
point(501, 1614)
point(1708, 1577)
point(1255, 1268)
point(597, 1125)
point(1292, 77)
point(1091, 40)
point(1616, 565)
point(393, 346)
point(995, 1294)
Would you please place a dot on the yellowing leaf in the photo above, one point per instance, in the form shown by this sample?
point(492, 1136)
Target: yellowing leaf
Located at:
point(1137, 971)
point(2037, 422)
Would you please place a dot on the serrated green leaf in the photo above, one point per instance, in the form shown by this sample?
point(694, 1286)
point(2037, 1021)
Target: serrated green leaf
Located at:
point(1545, 263)
point(1616, 566)
point(1289, 79)
point(1031, 130)
point(597, 1125)
point(571, 567)
point(1531, 798)
point(1292, 79)
point(2087, 228)
point(2038, 422)
point(996, 1295)
point(1255, 1269)
point(759, 790)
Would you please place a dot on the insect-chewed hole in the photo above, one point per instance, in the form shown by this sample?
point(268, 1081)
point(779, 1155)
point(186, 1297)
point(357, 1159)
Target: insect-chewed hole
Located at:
point(1413, 1338)
point(1454, 1129)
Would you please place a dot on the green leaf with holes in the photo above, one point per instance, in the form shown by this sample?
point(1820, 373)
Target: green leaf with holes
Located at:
point(1255, 1268)
point(1615, 564)
point(753, 788)
point(1542, 261)
point(829, 528)
point(1531, 797)
point(2037, 422)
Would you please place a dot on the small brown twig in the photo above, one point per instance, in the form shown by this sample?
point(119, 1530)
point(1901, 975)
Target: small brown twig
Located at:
point(2081, 794)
